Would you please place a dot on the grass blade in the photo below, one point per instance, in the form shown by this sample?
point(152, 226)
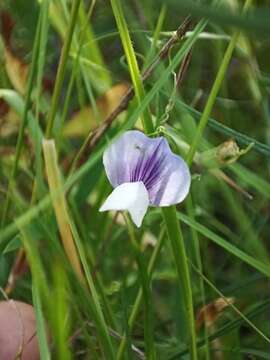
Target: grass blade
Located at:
point(70, 237)
point(59, 204)
point(256, 264)
point(19, 144)
point(41, 325)
point(62, 68)
point(132, 61)
point(177, 243)
point(213, 94)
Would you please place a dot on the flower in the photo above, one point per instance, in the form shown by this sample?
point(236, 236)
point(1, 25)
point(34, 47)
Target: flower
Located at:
point(143, 172)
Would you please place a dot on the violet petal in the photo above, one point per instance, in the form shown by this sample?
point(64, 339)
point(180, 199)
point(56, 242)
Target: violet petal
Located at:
point(135, 157)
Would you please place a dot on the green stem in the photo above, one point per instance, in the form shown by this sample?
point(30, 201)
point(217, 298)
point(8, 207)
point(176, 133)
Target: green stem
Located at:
point(146, 292)
point(178, 247)
point(197, 251)
point(62, 68)
point(213, 93)
point(74, 73)
point(101, 324)
point(171, 212)
point(44, 29)
point(71, 240)
point(109, 315)
point(132, 62)
point(19, 144)
point(139, 298)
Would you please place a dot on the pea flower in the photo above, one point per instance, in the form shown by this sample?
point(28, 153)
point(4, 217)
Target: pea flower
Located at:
point(144, 172)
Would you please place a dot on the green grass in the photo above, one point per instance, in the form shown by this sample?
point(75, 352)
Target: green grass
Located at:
point(101, 288)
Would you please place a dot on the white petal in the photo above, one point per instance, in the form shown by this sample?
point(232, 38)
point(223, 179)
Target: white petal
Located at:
point(132, 197)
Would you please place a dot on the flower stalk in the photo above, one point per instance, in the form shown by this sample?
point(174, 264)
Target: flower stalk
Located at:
point(146, 291)
point(178, 248)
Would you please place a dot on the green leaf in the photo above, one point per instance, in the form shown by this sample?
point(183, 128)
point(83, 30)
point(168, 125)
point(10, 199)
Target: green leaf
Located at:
point(13, 245)
point(41, 325)
point(232, 249)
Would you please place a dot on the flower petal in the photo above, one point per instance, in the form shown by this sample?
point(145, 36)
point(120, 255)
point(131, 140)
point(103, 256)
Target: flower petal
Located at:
point(135, 157)
point(173, 183)
point(132, 197)
point(124, 158)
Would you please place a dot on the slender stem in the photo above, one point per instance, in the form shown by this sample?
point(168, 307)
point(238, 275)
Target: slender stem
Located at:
point(195, 241)
point(178, 247)
point(31, 213)
point(68, 95)
point(98, 133)
point(101, 324)
point(44, 27)
point(19, 144)
point(139, 297)
point(214, 91)
point(62, 68)
point(41, 51)
point(38, 62)
point(75, 69)
point(203, 122)
point(230, 304)
point(146, 292)
point(169, 214)
point(160, 21)
point(108, 312)
point(71, 240)
point(132, 61)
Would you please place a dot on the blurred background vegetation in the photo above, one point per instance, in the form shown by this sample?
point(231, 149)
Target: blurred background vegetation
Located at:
point(64, 69)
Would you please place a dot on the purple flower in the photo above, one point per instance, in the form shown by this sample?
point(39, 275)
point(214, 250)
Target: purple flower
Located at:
point(143, 172)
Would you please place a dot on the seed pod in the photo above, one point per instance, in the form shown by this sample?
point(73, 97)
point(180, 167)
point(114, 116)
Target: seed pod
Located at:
point(222, 155)
point(18, 331)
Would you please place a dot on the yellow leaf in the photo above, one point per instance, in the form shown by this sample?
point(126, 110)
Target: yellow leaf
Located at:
point(84, 120)
point(17, 71)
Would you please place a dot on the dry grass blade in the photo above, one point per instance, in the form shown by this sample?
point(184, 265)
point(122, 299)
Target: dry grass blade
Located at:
point(59, 205)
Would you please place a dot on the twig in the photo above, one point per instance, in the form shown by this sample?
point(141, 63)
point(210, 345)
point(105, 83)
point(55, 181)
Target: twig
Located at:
point(96, 135)
point(183, 69)
point(19, 268)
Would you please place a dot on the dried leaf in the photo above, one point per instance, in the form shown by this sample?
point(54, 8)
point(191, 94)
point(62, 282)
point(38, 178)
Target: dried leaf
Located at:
point(148, 240)
point(209, 313)
point(84, 120)
point(9, 121)
point(7, 25)
point(4, 108)
point(17, 71)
